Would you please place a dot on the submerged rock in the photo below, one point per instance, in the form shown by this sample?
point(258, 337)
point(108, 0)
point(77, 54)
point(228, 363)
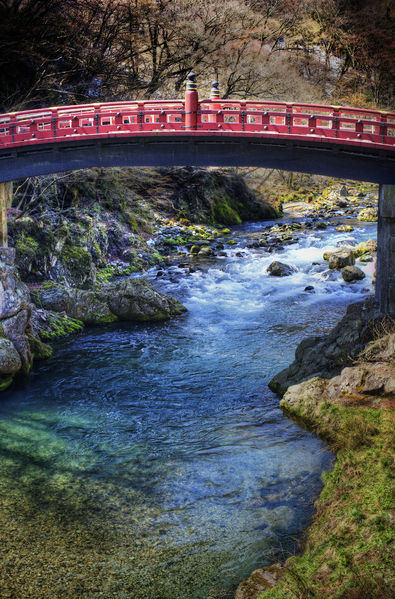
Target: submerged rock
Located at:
point(279, 269)
point(259, 581)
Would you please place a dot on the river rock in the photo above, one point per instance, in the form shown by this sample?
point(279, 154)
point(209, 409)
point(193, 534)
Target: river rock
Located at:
point(325, 356)
point(53, 296)
point(368, 215)
point(279, 269)
point(364, 247)
point(10, 361)
point(366, 258)
point(369, 382)
point(344, 228)
point(15, 311)
point(135, 299)
point(352, 273)
point(339, 258)
point(259, 581)
point(206, 250)
point(90, 307)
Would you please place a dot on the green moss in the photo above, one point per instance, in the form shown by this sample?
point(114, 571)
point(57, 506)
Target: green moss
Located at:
point(104, 275)
point(41, 351)
point(48, 284)
point(224, 213)
point(174, 241)
point(5, 382)
point(77, 261)
point(60, 326)
point(26, 247)
point(104, 319)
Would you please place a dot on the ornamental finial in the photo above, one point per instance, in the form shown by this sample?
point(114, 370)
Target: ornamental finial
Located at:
point(191, 82)
point(214, 94)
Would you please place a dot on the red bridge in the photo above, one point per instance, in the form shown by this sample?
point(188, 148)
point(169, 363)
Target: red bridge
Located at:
point(332, 140)
point(329, 140)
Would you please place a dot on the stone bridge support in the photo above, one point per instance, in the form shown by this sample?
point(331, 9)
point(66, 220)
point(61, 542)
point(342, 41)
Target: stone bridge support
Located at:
point(385, 279)
point(5, 202)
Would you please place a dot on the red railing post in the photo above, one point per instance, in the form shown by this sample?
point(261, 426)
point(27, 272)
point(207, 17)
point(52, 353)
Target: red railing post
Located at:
point(191, 103)
point(335, 121)
point(383, 127)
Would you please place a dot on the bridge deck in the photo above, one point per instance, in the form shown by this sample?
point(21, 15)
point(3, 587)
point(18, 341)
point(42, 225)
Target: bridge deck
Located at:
point(343, 141)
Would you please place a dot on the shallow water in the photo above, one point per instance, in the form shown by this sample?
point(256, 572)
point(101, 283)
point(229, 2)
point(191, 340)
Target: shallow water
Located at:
point(152, 461)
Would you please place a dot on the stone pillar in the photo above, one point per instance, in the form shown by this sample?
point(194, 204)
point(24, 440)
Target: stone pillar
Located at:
point(5, 202)
point(385, 279)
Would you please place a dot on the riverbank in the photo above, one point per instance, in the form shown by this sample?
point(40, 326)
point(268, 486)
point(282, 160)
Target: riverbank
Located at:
point(225, 466)
point(348, 551)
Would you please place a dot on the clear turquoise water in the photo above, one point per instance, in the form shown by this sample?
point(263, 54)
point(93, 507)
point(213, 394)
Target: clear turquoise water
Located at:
point(152, 461)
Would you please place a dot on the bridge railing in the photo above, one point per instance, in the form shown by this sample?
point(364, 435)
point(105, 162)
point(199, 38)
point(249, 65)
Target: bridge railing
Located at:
point(219, 117)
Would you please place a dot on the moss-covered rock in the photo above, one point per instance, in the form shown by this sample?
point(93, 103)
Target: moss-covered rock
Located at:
point(368, 215)
point(54, 326)
point(344, 228)
point(135, 299)
point(365, 247)
point(78, 262)
point(41, 351)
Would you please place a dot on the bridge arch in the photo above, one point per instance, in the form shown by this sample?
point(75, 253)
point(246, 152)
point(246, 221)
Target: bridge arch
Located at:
point(336, 141)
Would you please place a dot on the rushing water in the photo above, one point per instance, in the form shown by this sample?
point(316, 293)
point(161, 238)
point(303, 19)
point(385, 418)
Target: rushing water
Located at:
point(152, 461)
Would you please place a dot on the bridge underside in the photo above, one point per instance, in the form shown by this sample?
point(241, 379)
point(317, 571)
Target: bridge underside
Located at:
point(323, 158)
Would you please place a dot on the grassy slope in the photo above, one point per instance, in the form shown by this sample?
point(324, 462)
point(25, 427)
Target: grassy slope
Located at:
point(349, 549)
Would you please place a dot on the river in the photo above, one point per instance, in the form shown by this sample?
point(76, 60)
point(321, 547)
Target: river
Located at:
point(152, 461)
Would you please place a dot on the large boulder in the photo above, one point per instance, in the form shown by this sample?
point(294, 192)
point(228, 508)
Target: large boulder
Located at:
point(135, 299)
point(279, 269)
point(128, 299)
point(15, 310)
point(340, 258)
point(17, 328)
point(325, 356)
point(52, 296)
point(10, 361)
point(90, 307)
point(370, 381)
